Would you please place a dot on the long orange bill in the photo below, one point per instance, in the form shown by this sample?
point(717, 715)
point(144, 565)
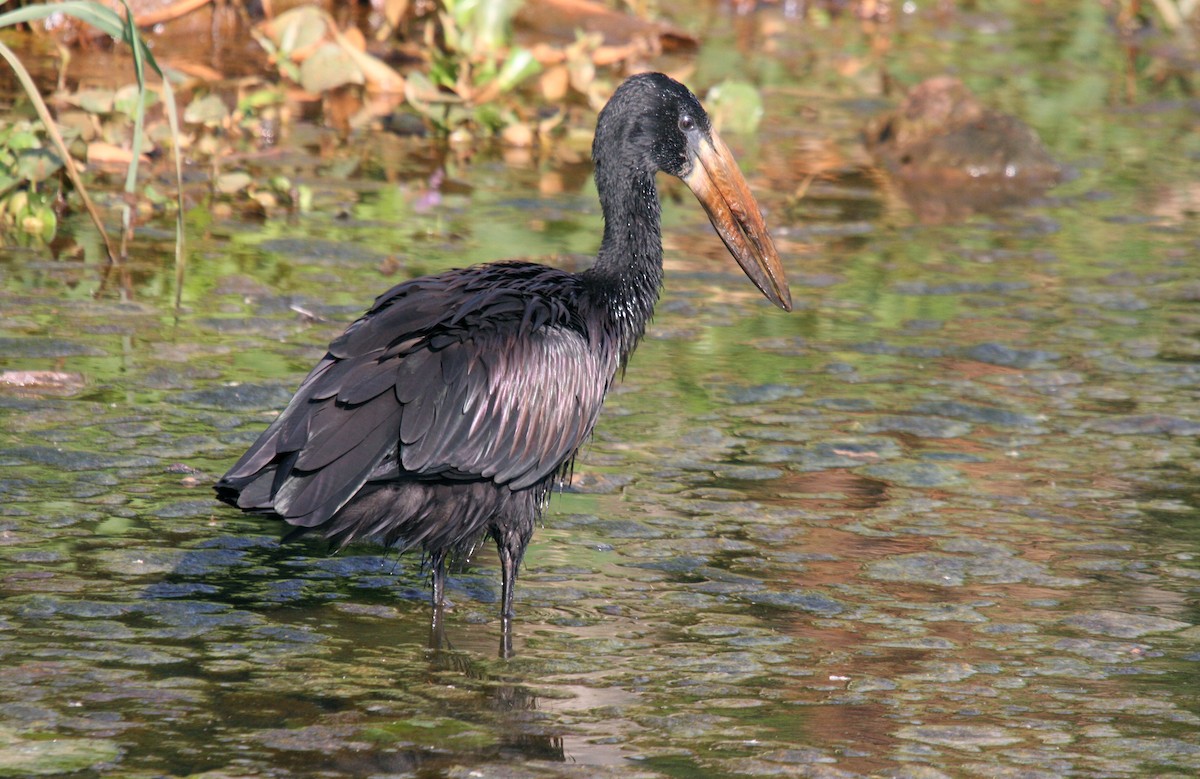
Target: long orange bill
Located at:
point(722, 190)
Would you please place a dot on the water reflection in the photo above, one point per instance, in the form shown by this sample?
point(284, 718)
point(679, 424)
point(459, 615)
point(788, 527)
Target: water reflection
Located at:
point(502, 695)
point(831, 491)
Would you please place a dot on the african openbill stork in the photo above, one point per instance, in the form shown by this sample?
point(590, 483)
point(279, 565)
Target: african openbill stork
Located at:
point(450, 409)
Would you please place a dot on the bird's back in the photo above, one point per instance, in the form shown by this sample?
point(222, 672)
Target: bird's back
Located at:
point(481, 383)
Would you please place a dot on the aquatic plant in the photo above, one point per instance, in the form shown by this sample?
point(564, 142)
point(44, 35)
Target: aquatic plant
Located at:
point(34, 210)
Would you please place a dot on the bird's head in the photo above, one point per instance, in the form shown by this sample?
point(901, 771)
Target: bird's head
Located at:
point(654, 123)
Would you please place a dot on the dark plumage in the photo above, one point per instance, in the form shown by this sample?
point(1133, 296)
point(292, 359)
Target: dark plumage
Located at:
point(448, 411)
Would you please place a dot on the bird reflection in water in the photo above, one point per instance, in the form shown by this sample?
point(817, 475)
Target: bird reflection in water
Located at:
point(503, 708)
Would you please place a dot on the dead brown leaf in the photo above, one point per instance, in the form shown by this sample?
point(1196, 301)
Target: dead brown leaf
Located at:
point(101, 153)
point(555, 83)
point(563, 18)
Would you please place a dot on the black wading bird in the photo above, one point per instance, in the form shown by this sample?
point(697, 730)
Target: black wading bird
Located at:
point(449, 410)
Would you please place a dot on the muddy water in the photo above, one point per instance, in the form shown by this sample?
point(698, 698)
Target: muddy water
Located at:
point(940, 521)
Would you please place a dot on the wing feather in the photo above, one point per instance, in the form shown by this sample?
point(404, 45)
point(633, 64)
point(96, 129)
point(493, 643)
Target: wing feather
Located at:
point(309, 498)
point(369, 378)
point(475, 374)
point(543, 397)
point(413, 375)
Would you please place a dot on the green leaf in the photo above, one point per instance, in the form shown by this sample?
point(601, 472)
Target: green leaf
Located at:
point(489, 115)
point(94, 101)
point(37, 165)
point(235, 181)
point(491, 24)
point(260, 98)
point(125, 100)
point(520, 65)
point(209, 110)
point(329, 67)
point(418, 90)
point(443, 72)
point(20, 140)
point(297, 29)
point(306, 198)
point(151, 193)
point(49, 220)
point(735, 106)
point(290, 69)
point(76, 124)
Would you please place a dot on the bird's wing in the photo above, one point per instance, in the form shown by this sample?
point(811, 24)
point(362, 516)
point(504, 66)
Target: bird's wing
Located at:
point(510, 409)
point(496, 386)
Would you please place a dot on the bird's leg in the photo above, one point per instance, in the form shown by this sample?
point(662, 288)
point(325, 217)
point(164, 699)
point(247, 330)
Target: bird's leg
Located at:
point(508, 573)
point(510, 563)
point(437, 628)
point(437, 569)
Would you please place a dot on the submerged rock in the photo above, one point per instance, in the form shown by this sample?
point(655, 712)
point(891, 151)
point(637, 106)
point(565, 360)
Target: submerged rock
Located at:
point(52, 757)
point(1122, 625)
point(1147, 424)
point(949, 156)
point(910, 474)
point(968, 737)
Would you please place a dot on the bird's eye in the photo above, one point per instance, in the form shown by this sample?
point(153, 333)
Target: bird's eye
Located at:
point(686, 123)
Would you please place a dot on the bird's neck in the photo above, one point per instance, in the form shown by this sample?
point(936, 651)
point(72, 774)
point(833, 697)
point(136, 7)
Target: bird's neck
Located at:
point(627, 275)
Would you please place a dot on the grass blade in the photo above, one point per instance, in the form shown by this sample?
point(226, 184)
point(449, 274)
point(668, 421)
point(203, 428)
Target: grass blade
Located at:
point(180, 255)
point(139, 115)
point(99, 16)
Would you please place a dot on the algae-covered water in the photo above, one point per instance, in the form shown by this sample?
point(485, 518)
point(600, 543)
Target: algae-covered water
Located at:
point(939, 521)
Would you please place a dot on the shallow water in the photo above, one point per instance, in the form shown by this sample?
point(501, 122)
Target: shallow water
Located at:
point(939, 521)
